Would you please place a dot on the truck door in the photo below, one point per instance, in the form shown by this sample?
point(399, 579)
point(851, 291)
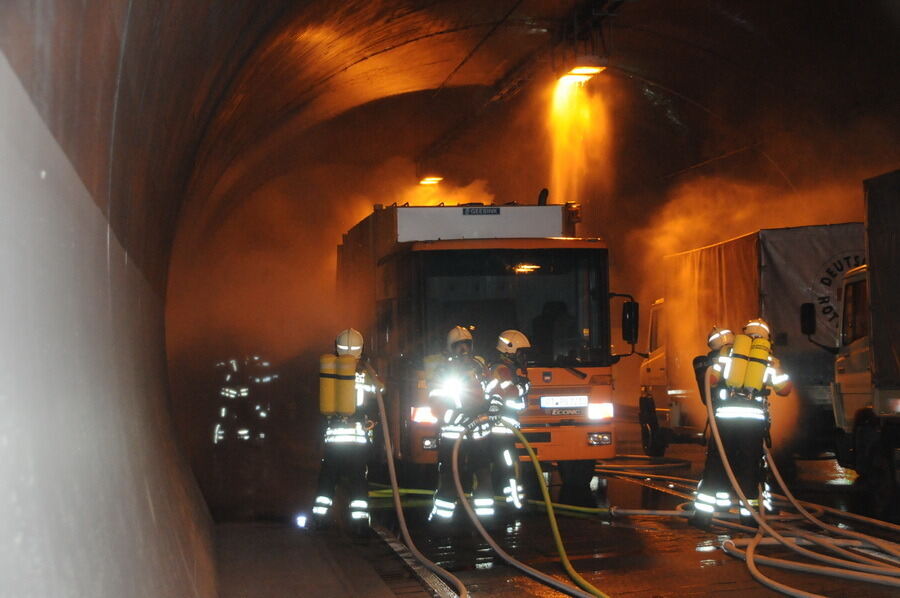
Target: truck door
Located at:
point(653, 369)
point(852, 373)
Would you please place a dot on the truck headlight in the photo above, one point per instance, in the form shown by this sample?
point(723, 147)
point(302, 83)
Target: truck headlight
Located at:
point(429, 444)
point(599, 438)
point(600, 411)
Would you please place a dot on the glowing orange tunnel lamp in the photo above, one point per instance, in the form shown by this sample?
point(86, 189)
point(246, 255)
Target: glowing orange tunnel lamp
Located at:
point(583, 69)
point(525, 268)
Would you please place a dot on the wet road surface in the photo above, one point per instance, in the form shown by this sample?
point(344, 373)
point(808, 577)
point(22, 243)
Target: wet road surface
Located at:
point(634, 556)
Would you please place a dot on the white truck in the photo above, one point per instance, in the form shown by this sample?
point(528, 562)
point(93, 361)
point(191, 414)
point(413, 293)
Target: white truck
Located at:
point(408, 274)
point(768, 274)
point(866, 362)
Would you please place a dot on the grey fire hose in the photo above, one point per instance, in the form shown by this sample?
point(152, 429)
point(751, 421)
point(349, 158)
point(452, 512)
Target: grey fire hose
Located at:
point(885, 574)
point(398, 507)
point(532, 572)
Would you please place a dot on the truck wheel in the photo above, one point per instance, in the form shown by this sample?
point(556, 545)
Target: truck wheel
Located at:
point(651, 435)
point(875, 446)
point(576, 482)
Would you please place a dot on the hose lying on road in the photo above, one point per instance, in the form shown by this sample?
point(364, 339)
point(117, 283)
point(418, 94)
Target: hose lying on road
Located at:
point(542, 577)
point(398, 507)
point(886, 574)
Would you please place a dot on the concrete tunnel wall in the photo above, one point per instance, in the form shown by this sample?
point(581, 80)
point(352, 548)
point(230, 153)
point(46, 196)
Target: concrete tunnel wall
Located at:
point(100, 103)
point(96, 500)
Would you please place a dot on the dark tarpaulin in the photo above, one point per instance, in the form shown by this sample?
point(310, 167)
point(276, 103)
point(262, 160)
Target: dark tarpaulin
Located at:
point(883, 244)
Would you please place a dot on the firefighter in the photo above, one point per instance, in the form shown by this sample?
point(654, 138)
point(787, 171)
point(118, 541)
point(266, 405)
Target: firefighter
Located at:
point(740, 384)
point(458, 400)
point(347, 385)
point(507, 390)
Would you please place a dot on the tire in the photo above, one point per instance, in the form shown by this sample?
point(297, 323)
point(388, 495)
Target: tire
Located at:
point(876, 487)
point(652, 439)
point(576, 482)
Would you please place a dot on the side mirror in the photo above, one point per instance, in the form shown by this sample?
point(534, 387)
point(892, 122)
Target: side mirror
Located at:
point(808, 319)
point(630, 321)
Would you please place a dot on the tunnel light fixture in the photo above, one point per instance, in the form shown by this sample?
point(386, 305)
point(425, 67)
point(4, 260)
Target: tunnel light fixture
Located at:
point(584, 68)
point(525, 268)
point(431, 180)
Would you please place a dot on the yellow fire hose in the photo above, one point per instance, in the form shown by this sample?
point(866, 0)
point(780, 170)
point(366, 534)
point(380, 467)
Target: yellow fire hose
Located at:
point(551, 516)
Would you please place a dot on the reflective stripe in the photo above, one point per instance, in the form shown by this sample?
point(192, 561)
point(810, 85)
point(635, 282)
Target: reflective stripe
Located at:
point(501, 430)
point(484, 511)
point(745, 512)
point(346, 440)
point(517, 404)
point(706, 498)
point(359, 504)
point(442, 513)
point(445, 504)
point(359, 515)
point(722, 495)
point(323, 500)
point(505, 384)
point(450, 435)
point(510, 420)
point(704, 507)
point(507, 458)
point(726, 361)
point(320, 510)
point(737, 412)
point(491, 385)
point(722, 502)
point(481, 502)
point(514, 493)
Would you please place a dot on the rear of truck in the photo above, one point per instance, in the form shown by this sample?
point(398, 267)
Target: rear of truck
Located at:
point(768, 274)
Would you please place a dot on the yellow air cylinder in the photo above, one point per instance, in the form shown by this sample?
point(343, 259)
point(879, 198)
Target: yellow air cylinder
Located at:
point(345, 385)
point(327, 371)
point(740, 351)
point(759, 361)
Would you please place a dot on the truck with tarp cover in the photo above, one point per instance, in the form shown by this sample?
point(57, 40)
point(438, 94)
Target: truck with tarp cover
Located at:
point(768, 273)
point(408, 274)
point(866, 389)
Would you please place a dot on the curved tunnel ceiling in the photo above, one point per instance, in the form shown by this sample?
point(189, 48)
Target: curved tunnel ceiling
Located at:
point(170, 98)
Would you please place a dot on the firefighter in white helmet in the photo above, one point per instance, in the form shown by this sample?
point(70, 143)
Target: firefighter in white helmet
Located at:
point(347, 385)
point(741, 371)
point(458, 401)
point(507, 391)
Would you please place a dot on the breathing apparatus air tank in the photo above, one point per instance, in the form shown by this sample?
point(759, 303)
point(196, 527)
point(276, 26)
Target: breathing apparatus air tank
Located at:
point(345, 385)
point(327, 373)
point(740, 353)
point(758, 359)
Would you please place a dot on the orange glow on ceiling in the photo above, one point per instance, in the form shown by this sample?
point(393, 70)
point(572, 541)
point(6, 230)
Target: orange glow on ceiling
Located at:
point(431, 180)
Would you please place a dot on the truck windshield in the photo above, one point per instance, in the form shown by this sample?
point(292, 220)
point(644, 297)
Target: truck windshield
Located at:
point(557, 297)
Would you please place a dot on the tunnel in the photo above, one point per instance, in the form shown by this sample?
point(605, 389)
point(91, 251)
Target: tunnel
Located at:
point(176, 177)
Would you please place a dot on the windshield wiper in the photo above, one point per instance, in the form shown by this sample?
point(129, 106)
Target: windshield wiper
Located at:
point(575, 371)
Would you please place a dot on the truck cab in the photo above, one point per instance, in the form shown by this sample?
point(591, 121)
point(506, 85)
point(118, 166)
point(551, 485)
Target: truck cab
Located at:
point(852, 390)
point(427, 269)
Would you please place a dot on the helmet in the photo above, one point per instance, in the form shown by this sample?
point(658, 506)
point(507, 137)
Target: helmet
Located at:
point(719, 337)
point(757, 328)
point(510, 341)
point(349, 342)
point(458, 335)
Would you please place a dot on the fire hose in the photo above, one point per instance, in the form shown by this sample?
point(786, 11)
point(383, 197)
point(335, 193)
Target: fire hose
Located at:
point(589, 590)
point(884, 573)
point(398, 507)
